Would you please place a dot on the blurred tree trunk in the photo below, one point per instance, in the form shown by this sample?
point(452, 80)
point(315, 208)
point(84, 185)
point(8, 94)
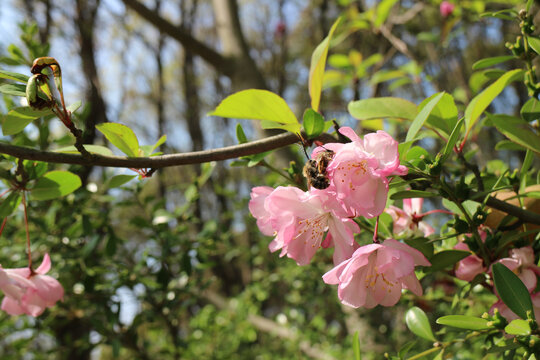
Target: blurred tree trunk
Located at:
point(86, 12)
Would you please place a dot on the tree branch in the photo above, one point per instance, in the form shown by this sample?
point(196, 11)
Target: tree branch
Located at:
point(196, 157)
point(218, 61)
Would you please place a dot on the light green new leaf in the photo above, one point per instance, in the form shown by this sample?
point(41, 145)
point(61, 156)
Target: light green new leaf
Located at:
point(4, 74)
point(119, 180)
point(313, 123)
point(383, 107)
point(74, 107)
point(518, 327)
point(55, 184)
point(263, 105)
point(383, 9)
point(444, 115)
point(464, 322)
point(240, 134)
point(10, 203)
point(418, 323)
point(316, 69)
point(147, 150)
point(481, 101)
point(530, 110)
point(17, 119)
point(534, 43)
point(122, 137)
point(422, 116)
point(356, 346)
point(487, 62)
point(452, 140)
point(517, 130)
point(93, 149)
point(512, 291)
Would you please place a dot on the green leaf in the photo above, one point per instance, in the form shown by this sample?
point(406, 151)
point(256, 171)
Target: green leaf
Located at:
point(464, 322)
point(531, 110)
point(446, 258)
point(418, 323)
point(262, 105)
point(10, 204)
point(257, 158)
point(452, 140)
point(512, 291)
point(120, 180)
point(4, 74)
point(13, 89)
point(409, 194)
point(518, 327)
point(121, 136)
point(240, 134)
point(534, 43)
point(444, 115)
point(55, 184)
point(383, 9)
point(147, 150)
point(509, 145)
point(383, 107)
point(517, 130)
point(74, 107)
point(356, 346)
point(18, 118)
point(487, 62)
point(481, 101)
point(422, 116)
point(316, 69)
point(93, 149)
point(313, 123)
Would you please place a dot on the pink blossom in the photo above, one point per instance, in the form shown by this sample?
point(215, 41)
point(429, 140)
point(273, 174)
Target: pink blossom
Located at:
point(359, 169)
point(376, 274)
point(521, 262)
point(299, 221)
point(469, 267)
point(410, 218)
point(446, 8)
point(509, 315)
point(27, 292)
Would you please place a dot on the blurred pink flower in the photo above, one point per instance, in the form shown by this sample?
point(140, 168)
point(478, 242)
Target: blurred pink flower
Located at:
point(359, 169)
point(409, 219)
point(27, 292)
point(299, 221)
point(376, 274)
point(521, 262)
point(446, 8)
point(469, 267)
point(510, 315)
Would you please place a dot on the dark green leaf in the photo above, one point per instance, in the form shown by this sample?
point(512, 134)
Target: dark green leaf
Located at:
point(446, 258)
point(518, 327)
point(409, 194)
point(517, 130)
point(464, 322)
point(122, 137)
point(9, 204)
point(13, 89)
point(487, 62)
point(531, 110)
point(55, 184)
point(418, 323)
point(313, 123)
point(509, 145)
point(384, 107)
point(452, 140)
point(422, 116)
point(512, 291)
point(240, 134)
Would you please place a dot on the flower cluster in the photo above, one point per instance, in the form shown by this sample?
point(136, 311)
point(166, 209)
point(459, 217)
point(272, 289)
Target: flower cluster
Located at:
point(29, 292)
point(357, 185)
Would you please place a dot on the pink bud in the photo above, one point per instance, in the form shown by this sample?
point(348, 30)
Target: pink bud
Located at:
point(446, 8)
